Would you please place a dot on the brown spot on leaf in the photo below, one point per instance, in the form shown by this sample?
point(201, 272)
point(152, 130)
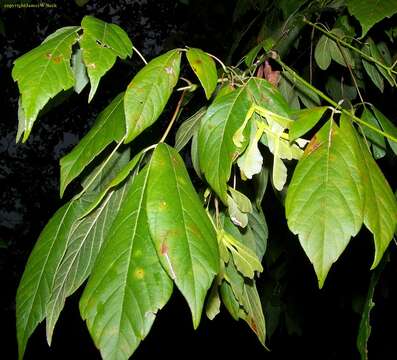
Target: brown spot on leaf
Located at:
point(198, 62)
point(313, 145)
point(163, 205)
point(253, 325)
point(164, 248)
point(57, 59)
point(48, 56)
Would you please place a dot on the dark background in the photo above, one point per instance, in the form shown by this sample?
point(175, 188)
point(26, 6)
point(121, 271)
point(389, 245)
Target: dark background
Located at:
point(314, 324)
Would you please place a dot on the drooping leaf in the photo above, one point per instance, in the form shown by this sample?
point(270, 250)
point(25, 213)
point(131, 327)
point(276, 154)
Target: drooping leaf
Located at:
point(305, 120)
point(253, 310)
point(324, 203)
point(372, 70)
point(322, 54)
point(101, 44)
point(289, 92)
point(388, 127)
point(194, 155)
point(205, 69)
point(364, 330)
point(380, 205)
point(35, 287)
point(149, 91)
point(217, 150)
point(257, 232)
point(370, 12)
point(183, 235)
point(128, 284)
point(377, 141)
point(187, 129)
point(44, 72)
point(229, 300)
point(339, 90)
point(79, 71)
point(21, 121)
point(242, 201)
point(261, 180)
point(109, 127)
point(213, 302)
point(85, 240)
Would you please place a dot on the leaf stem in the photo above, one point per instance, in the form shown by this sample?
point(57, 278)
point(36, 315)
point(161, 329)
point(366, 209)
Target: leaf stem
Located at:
point(140, 55)
point(334, 103)
point(174, 116)
point(389, 69)
point(220, 62)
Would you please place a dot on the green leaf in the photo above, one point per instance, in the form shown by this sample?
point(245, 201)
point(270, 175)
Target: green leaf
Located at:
point(194, 155)
point(258, 232)
point(324, 203)
point(378, 142)
point(101, 44)
point(109, 127)
point(44, 72)
point(242, 201)
point(79, 71)
point(85, 240)
point(340, 54)
point(387, 126)
point(253, 311)
point(244, 258)
point(128, 284)
point(205, 69)
point(364, 330)
point(188, 128)
point(35, 287)
point(372, 71)
point(118, 179)
point(261, 180)
point(305, 120)
point(308, 97)
point(380, 205)
point(370, 12)
point(229, 300)
point(217, 150)
point(383, 57)
point(183, 235)
point(238, 217)
point(289, 92)
point(149, 91)
point(21, 120)
point(322, 53)
point(213, 302)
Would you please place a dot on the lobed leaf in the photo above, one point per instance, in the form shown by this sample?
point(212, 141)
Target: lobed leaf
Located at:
point(149, 91)
point(44, 72)
point(101, 44)
point(183, 235)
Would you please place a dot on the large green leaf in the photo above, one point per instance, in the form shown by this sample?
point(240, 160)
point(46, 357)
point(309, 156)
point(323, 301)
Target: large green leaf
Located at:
point(184, 237)
point(110, 126)
point(305, 120)
point(226, 115)
point(370, 12)
point(204, 67)
point(101, 43)
point(324, 203)
point(44, 72)
point(36, 284)
point(85, 240)
point(380, 205)
point(149, 91)
point(128, 285)
point(57, 241)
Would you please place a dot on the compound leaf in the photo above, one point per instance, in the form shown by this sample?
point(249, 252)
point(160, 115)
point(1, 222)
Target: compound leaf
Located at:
point(101, 43)
point(44, 72)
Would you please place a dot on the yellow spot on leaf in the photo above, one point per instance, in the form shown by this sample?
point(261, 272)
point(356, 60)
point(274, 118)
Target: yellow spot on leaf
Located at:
point(139, 273)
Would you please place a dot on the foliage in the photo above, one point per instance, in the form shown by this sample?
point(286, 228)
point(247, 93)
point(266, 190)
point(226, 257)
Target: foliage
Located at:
point(143, 221)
